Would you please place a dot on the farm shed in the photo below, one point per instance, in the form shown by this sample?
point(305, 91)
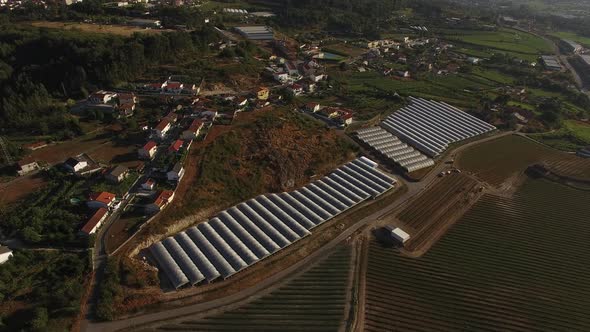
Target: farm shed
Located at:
point(398, 234)
point(253, 230)
point(256, 32)
point(432, 126)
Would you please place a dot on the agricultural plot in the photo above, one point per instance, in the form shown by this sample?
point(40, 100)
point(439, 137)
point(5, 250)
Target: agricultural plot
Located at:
point(431, 214)
point(312, 301)
point(513, 42)
point(499, 160)
point(510, 264)
point(251, 231)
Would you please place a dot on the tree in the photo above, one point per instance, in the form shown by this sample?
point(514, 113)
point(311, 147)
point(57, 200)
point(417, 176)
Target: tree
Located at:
point(40, 319)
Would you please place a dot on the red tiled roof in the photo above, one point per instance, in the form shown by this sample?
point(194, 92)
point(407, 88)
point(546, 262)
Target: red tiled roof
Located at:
point(195, 126)
point(176, 145)
point(312, 105)
point(149, 145)
point(103, 197)
point(164, 198)
point(163, 124)
point(173, 85)
point(98, 215)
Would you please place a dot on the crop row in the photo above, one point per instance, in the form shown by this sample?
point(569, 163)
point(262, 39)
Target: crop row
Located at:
point(510, 264)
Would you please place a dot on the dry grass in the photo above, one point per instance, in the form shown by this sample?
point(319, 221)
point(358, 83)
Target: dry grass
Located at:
point(120, 30)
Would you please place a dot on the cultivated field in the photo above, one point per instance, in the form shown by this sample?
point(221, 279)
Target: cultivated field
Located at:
point(121, 30)
point(513, 42)
point(313, 301)
point(502, 159)
point(510, 264)
point(431, 214)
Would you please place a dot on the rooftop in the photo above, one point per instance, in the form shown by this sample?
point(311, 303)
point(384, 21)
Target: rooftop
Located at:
point(103, 197)
point(94, 220)
point(149, 145)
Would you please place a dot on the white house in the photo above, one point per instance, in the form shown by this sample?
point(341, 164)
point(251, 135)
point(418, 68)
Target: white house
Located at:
point(26, 167)
point(95, 221)
point(281, 77)
point(149, 184)
point(313, 107)
point(164, 198)
point(296, 89)
point(291, 68)
point(5, 254)
point(162, 128)
point(176, 173)
point(75, 164)
point(148, 151)
point(101, 97)
point(193, 131)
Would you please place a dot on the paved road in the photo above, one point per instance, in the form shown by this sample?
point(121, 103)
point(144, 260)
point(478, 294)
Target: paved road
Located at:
point(413, 190)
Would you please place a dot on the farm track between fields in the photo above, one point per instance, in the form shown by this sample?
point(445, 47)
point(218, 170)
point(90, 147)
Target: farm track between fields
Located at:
point(511, 263)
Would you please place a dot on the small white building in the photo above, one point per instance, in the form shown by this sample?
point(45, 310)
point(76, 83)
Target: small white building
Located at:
point(398, 234)
point(5, 254)
point(75, 164)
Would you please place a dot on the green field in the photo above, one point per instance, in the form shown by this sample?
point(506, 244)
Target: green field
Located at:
point(512, 42)
point(510, 264)
point(572, 36)
point(573, 136)
point(498, 160)
point(312, 301)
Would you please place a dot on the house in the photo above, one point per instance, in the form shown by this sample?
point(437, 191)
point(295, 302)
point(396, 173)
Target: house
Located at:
point(291, 68)
point(117, 174)
point(344, 117)
point(313, 107)
point(95, 221)
point(127, 98)
point(101, 200)
point(155, 87)
point(149, 184)
point(263, 93)
point(163, 198)
point(242, 102)
point(208, 115)
point(193, 131)
point(26, 167)
point(148, 151)
point(5, 254)
point(175, 147)
point(281, 77)
point(75, 164)
point(473, 60)
point(317, 77)
point(176, 173)
point(163, 127)
point(172, 87)
point(172, 117)
point(101, 97)
point(296, 89)
point(190, 89)
point(126, 110)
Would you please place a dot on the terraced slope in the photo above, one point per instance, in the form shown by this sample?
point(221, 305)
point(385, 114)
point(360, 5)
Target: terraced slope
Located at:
point(313, 301)
point(510, 264)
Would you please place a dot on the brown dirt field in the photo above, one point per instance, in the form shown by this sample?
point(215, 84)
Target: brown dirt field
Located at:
point(432, 213)
point(120, 30)
point(20, 188)
point(59, 152)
